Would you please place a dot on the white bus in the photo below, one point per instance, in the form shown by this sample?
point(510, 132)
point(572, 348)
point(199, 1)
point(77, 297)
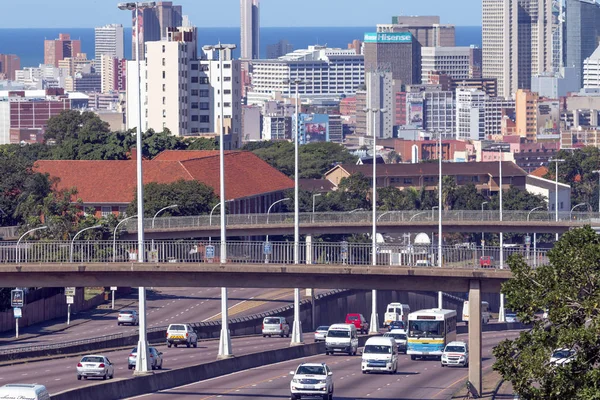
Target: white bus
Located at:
point(429, 331)
point(396, 312)
point(485, 312)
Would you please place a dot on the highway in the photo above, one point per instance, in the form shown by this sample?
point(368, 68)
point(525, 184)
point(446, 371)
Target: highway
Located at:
point(59, 374)
point(169, 305)
point(414, 380)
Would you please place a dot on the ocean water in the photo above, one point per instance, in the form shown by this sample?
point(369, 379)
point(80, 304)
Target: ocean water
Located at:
point(28, 44)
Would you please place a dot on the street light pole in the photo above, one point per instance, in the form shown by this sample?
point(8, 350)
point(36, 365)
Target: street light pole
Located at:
point(115, 237)
point(268, 212)
point(534, 237)
point(598, 172)
point(313, 204)
point(142, 365)
point(440, 261)
point(501, 317)
point(482, 233)
point(18, 250)
point(574, 207)
point(75, 237)
point(154, 217)
point(556, 161)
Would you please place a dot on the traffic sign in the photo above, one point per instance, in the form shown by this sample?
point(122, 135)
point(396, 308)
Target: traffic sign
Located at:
point(113, 288)
point(527, 239)
point(17, 299)
point(210, 252)
point(70, 299)
point(267, 249)
point(70, 291)
point(17, 312)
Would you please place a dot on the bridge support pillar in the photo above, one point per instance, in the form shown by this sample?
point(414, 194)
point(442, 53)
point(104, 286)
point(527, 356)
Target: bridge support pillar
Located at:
point(225, 339)
point(142, 365)
point(475, 334)
point(309, 252)
point(374, 324)
point(297, 328)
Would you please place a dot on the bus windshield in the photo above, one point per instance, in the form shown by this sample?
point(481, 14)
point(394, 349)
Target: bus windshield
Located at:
point(421, 328)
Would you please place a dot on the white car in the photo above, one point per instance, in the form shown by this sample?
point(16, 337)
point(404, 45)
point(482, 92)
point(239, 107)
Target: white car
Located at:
point(456, 353)
point(512, 317)
point(399, 335)
point(321, 333)
point(95, 366)
point(312, 380)
point(562, 356)
point(128, 317)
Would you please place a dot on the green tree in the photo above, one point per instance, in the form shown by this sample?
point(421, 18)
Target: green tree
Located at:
point(201, 143)
point(157, 142)
point(191, 197)
point(568, 288)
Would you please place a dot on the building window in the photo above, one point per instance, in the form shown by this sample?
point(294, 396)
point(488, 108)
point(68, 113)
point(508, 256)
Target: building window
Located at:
point(163, 48)
point(204, 80)
point(226, 65)
point(194, 105)
point(194, 67)
point(164, 74)
point(204, 106)
point(205, 118)
point(226, 91)
point(204, 93)
point(194, 118)
point(164, 113)
point(163, 62)
point(164, 87)
point(106, 211)
point(194, 92)
point(164, 100)
point(194, 79)
point(408, 181)
point(227, 79)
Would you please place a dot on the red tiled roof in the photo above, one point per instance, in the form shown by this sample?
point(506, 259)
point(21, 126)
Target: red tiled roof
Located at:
point(181, 155)
point(113, 182)
point(540, 172)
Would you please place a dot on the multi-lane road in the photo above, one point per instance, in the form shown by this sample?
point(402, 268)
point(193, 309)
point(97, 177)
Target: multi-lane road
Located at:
point(414, 380)
point(170, 305)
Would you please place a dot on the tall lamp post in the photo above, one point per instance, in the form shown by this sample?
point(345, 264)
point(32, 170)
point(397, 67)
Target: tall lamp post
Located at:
point(154, 217)
point(142, 365)
point(374, 325)
point(268, 212)
point(598, 172)
point(501, 317)
point(440, 260)
point(115, 236)
point(482, 233)
point(18, 250)
point(574, 207)
point(225, 338)
point(556, 161)
point(534, 237)
point(313, 204)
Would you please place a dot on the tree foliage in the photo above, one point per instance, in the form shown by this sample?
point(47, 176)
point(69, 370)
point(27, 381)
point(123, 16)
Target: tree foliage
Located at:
point(568, 287)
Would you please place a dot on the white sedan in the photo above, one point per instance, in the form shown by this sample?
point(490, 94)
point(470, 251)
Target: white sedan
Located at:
point(95, 366)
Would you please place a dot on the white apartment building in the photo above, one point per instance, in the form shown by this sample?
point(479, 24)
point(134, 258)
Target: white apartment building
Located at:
point(453, 61)
point(440, 112)
point(182, 92)
point(277, 127)
point(495, 109)
point(42, 77)
point(517, 42)
point(591, 70)
point(108, 41)
point(470, 114)
point(325, 72)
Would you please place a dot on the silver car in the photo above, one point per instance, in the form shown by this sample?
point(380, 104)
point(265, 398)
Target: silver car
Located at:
point(156, 359)
point(95, 366)
point(128, 317)
point(321, 333)
point(275, 326)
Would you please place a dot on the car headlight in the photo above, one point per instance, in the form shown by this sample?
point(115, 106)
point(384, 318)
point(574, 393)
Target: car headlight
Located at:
point(322, 382)
point(295, 381)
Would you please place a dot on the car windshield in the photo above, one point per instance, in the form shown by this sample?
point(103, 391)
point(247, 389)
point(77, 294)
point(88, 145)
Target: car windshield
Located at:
point(352, 318)
point(399, 336)
point(377, 349)
point(424, 328)
point(272, 321)
point(323, 328)
point(126, 312)
point(562, 354)
point(456, 349)
point(177, 328)
point(399, 324)
point(511, 315)
point(340, 334)
point(92, 359)
point(311, 370)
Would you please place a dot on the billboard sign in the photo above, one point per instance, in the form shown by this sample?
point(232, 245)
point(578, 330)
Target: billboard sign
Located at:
point(415, 112)
point(70, 291)
point(388, 37)
point(17, 298)
point(315, 132)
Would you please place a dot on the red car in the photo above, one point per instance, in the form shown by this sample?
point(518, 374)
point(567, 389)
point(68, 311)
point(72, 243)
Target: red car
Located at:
point(486, 261)
point(358, 321)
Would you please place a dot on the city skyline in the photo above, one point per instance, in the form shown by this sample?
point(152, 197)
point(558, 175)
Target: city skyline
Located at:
point(273, 12)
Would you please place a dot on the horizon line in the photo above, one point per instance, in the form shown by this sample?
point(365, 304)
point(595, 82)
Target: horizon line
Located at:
point(228, 27)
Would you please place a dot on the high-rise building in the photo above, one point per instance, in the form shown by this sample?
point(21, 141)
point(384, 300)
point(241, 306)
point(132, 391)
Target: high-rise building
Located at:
point(154, 22)
point(440, 111)
point(557, 34)
point(112, 74)
point(581, 33)
point(108, 41)
point(380, 95)
point(591, 70)
point(57, 49)
point(496, 109)
point(426, 29)
point(398, 52)
point(470, 114)
point(250, 29)
point(76, 63)
point(517, 42)
point(526, 104)
point(9, 63)
point(456, 62)
point(279, 49)
point(182, 91)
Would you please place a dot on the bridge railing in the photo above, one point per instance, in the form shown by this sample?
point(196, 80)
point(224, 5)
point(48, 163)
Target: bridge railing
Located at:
point(204, 251)
point(364, 217)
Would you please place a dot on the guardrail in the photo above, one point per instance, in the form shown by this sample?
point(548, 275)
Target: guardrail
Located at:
point(240, 252)
point(364, 217)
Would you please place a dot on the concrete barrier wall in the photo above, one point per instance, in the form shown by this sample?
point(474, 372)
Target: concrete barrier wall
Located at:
point(119, 389)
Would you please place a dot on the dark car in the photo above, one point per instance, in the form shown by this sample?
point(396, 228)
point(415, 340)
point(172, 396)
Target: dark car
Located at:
point(397, 325)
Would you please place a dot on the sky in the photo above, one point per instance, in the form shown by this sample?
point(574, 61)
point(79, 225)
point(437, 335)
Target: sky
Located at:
point(225, 13)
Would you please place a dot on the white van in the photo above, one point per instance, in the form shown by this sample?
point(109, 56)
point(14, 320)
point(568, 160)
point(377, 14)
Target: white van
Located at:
point(485, 312)
point(396, 312)
point(24, 391)
point(380, 354)
point(342, 338)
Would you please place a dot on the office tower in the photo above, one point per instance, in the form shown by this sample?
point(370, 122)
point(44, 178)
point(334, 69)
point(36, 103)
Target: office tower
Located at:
point(250, 29)
point(591, 70)
point(439, 111)
point(526, 104)
point(470, 114)
point(517, 42)
point(557, 34)
point(426, 29)
point(399, 52)
point(57, 49)
point(279, 49)
point(496, 110)
point(581, 33)
point(182, 89)
point(154, 23)
point(9, 63)
point(379, 95)
point(108, 41)
point(77, 63)
point(456, 62)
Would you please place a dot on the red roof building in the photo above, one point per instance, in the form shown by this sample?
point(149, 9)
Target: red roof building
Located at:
point(251, 184)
